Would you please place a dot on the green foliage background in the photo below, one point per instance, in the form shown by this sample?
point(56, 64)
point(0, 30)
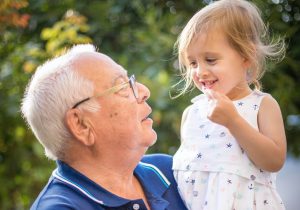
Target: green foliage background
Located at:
point(138, 34)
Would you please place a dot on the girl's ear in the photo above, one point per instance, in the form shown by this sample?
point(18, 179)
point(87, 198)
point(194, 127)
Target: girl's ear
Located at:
point(80, 128)
point(247, 63)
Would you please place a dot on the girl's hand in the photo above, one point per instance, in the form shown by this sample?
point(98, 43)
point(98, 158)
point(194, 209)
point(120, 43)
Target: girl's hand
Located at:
point(266, 147)
point(222, 109)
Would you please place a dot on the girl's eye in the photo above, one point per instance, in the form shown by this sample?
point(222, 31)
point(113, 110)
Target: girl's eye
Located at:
point(211, 60)
point(193, 64)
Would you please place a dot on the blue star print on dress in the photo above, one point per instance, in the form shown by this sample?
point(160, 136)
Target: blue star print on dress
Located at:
point(223, 177)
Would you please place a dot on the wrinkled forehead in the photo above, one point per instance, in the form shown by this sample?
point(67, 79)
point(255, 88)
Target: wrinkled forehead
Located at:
point(98, 67)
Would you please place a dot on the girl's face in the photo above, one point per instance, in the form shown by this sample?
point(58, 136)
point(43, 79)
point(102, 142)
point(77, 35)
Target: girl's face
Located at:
point(216, 65)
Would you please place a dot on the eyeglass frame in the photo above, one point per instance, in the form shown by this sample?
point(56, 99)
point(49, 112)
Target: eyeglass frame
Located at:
point(131, 82)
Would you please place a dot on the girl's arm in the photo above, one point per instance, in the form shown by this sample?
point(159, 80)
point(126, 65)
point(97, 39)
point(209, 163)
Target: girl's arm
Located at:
point(266, 147)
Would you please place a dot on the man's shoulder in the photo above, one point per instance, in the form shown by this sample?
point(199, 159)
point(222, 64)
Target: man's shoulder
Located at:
point(160, 160)
point(163, 162)
point(161, 166)
point(157, 167)
point(53, 195)
point(58, 195)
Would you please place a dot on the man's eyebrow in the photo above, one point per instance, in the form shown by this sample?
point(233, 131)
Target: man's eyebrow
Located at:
point(122, 75)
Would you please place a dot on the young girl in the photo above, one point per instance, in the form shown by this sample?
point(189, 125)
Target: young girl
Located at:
point(233, 138)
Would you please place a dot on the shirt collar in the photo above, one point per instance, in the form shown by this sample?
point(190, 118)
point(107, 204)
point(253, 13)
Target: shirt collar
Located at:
point(151, 178)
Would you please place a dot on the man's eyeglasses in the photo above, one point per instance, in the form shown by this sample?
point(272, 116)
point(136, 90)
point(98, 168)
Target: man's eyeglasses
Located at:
point(131, 82)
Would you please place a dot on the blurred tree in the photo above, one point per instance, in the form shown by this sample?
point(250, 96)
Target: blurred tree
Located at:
point(10, 16)
point(23, 168)
point(283, 79)
point(139, 34)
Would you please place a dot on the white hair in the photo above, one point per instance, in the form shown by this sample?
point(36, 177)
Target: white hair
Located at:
point(54, 88)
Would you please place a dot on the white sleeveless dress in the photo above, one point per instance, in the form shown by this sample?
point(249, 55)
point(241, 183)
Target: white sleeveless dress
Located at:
point(213, 172)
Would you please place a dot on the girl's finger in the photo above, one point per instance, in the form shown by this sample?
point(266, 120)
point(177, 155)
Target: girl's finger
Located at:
point(208, 94)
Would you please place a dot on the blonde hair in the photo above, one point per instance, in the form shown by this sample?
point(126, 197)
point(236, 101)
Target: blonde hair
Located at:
point(245, 30)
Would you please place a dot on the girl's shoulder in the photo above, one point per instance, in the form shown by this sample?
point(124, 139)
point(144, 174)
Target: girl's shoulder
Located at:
point(256, 96)
point(264, 97)
point(259, 93)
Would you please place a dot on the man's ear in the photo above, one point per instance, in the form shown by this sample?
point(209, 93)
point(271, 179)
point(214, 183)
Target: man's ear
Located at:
point(79, 127)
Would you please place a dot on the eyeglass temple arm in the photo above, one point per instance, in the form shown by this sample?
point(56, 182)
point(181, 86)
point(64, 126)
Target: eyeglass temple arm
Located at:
point(111, 90)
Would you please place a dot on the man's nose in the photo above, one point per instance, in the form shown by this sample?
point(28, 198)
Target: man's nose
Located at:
point(144, 92)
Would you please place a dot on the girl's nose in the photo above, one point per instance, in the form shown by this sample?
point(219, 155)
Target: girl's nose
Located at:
point(202, 71)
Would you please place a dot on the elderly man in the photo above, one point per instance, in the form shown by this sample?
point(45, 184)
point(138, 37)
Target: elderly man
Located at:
point(94, 121)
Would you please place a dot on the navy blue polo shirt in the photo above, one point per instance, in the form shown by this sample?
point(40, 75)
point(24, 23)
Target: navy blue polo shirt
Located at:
point(69, 189)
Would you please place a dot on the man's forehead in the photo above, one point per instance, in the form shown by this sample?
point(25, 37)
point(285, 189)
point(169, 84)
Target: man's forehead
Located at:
point(91, 58)
point(99, 67)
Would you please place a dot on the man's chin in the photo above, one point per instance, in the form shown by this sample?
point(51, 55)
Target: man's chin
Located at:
point(153, 139)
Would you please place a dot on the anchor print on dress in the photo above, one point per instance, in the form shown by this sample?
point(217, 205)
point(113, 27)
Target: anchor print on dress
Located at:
point(255, 107)
point(222, 134)
point(188, 167)
point(250, 187)
point(195, 193)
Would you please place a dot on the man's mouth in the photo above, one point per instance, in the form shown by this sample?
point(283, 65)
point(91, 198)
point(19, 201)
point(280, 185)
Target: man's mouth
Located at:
point(147, 116)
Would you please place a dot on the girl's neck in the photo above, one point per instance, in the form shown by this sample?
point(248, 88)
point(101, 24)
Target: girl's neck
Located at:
point(239, 92)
